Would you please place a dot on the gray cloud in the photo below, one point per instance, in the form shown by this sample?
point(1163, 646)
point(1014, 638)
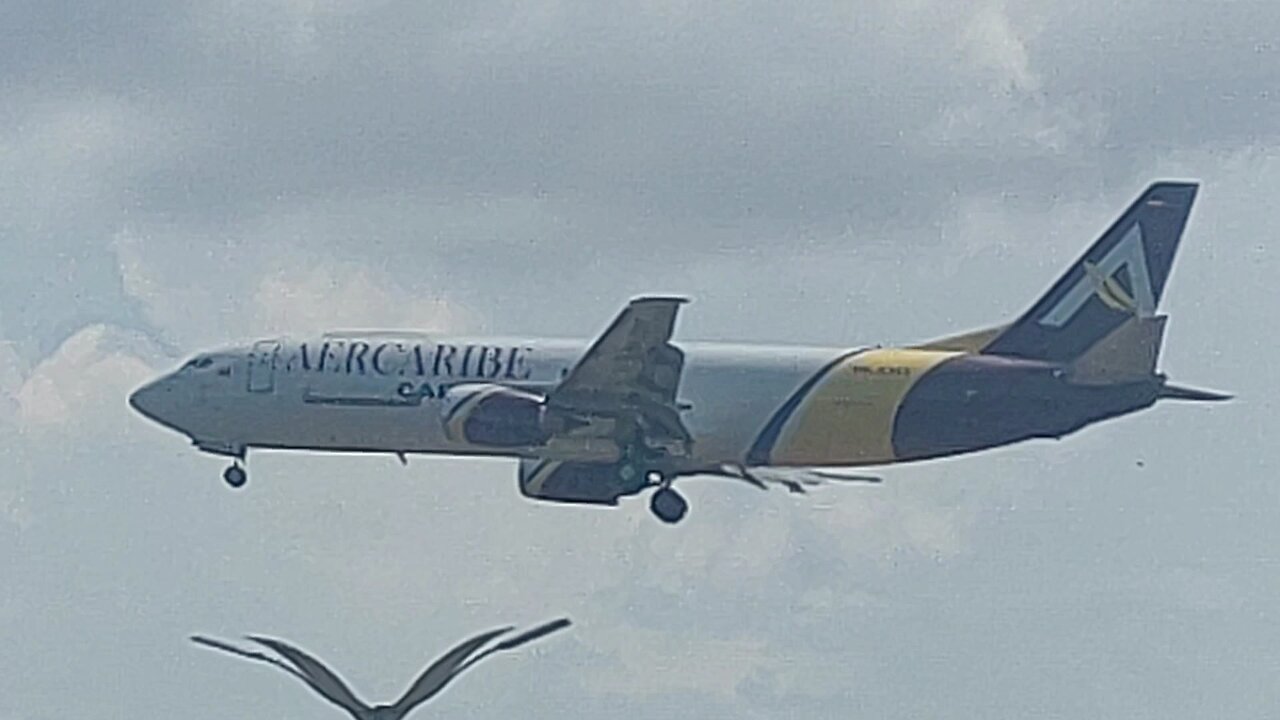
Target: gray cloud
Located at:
point(491, 136)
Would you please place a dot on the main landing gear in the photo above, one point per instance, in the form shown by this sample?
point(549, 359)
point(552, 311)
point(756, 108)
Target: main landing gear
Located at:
point(668, 505)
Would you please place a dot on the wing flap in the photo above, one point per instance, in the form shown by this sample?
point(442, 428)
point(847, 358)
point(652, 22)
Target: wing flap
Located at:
point(633, 358)
point(631, 372)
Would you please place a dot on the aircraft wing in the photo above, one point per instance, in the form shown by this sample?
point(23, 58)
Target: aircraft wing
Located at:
point(631, 372)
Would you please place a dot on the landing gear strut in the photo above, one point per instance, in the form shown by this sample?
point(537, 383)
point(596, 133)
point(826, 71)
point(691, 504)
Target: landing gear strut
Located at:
point(636, 470)
point(235, 476)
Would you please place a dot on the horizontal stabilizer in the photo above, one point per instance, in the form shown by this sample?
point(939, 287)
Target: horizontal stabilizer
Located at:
point(1174, 392)
point(846, 478)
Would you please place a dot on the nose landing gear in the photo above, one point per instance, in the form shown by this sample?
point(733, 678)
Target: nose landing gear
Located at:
point(235, 476)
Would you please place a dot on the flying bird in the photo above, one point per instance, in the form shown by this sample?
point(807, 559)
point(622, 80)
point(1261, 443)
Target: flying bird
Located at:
point(326, 683)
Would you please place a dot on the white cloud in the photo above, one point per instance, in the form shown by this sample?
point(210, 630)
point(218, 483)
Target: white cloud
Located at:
point(344, 296)
point(1002, 106)
point(994, 44)
point(250, 288)
point(84, 383)
point(71, 400)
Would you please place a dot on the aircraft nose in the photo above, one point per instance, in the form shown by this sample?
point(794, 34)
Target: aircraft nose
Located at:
point(146, 400)
point(159, 401)
point(165, 401)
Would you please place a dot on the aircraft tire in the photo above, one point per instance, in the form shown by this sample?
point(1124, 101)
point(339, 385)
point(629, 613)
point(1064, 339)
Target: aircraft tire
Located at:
point(668, 505)
point(235, 476)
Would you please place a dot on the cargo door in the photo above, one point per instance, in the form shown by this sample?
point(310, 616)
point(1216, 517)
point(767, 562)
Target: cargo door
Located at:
point(262, 366)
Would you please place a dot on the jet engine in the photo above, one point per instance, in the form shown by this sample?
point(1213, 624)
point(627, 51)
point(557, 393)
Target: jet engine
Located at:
point(592, 483)
point(495, 416)
point(576, 482)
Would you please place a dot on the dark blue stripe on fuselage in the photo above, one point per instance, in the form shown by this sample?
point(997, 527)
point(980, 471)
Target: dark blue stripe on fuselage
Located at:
point(980, 401)
point(768, 437)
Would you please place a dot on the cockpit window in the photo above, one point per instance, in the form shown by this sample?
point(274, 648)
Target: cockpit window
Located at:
point(198, 363)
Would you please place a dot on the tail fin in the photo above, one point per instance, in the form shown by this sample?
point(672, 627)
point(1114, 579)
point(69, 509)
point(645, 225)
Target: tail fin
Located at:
point(1119, 279)
point(1128, 353)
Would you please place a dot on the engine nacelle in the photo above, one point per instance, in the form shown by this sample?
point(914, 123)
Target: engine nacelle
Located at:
point(495, 416)
point(576, 482)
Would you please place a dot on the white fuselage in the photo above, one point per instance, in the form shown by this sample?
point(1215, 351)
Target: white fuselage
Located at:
point(385, 392)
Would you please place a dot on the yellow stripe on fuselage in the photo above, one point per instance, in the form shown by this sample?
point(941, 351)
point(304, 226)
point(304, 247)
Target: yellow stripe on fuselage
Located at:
point(847, 419)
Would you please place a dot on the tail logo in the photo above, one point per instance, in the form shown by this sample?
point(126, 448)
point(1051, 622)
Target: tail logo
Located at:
point(1101, 279)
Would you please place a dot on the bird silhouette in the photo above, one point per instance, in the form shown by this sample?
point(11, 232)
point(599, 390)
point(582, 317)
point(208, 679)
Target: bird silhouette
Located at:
point(428, 684)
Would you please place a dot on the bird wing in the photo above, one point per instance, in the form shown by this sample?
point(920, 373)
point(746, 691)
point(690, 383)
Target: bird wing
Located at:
point(259, 657)
point(527, 637)
point(439, 673)
point(321, 679)
point(449, 667)
point(249, 654)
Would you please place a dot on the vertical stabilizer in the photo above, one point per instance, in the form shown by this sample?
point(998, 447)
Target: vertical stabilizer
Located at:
point(1119, 280)
point(1129, 353)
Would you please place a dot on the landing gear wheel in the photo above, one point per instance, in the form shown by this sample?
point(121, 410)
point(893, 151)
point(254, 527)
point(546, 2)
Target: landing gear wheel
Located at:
point(235, 476)
point(668, 505)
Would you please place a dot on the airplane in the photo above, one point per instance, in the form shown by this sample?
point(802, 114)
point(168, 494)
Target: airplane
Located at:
point(634, 410)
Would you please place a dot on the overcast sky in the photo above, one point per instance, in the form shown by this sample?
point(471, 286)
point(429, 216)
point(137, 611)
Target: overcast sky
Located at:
point(175, 175)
